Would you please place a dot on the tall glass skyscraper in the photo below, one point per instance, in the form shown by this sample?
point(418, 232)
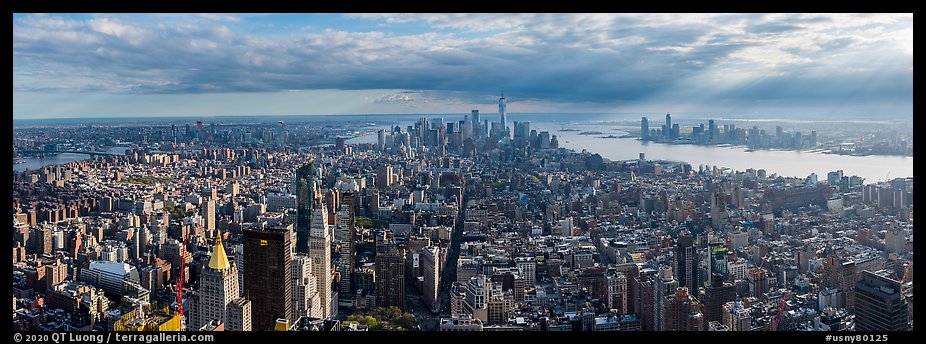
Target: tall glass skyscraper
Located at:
point(305, 204)
point(503, 112)
point(644, 129)
point(667, 132)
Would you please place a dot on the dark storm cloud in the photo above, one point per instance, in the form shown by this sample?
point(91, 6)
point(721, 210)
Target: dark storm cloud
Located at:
point(558, 58)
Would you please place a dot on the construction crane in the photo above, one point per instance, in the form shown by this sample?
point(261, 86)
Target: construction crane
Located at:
point(758, 271)
point(781, 306)
point(761, 262)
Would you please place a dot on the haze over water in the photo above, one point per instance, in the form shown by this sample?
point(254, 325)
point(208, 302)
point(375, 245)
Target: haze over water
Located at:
point(784, 163)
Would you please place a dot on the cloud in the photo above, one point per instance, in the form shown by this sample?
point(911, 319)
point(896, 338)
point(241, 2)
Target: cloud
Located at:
point(567, 58)
point(220, 17)
point(765, 28)
point(395, 98)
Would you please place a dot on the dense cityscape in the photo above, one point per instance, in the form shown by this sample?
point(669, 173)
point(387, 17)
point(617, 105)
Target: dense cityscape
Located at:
point(472, 225)
point(178, 175)
point(881, 140)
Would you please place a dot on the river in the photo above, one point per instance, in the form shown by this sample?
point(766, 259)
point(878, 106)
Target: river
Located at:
point(785, 163)
point(62, 158)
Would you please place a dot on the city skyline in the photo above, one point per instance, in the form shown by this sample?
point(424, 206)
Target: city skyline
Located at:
point(452, 225)
point(113, 65)
point(201, 173)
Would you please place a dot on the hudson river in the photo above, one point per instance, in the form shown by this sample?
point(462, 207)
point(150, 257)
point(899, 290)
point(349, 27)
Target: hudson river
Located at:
point(785, 163)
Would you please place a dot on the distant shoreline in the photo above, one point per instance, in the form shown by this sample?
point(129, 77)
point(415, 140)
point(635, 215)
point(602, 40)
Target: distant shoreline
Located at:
point(514, 115)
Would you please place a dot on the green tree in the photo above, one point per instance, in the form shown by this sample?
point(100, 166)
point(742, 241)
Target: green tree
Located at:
point(367, 320)
point(407, 322)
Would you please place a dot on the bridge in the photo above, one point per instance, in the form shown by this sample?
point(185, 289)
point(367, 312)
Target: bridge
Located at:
point(64, 151)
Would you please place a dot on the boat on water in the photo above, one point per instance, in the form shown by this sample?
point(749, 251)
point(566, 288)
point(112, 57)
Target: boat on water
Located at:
point(19, 161)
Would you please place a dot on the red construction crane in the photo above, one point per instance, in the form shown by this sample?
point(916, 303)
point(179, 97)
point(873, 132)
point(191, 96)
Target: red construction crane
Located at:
point(781, 306)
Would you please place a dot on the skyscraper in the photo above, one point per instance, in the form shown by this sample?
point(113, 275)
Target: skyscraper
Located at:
point(380, 140)
point(477, 125)
point(617, 291)
point(218, 289)
point(305, 198)
point(282, 134)
point(528, 268)
point(477, 291)
point(522, 129)
point(666, 285)
point(719, 216)
point(718, 290)
point(239, 312)
point(209, 214)
point(43, 241)
point(644, 129)
point(466, 127)
point(715, 295)
point(667, 132)
point(267, 255)
point(305, 288)
point(842, 275)
point(502, 113)
point(686, 255)
point(681, 312)
point(390, 276)
point(431, 269)
point(718, 265)
point(320, 252)
point(344, 233)
point(384, 177)
point(879, 303)
point(644, 300)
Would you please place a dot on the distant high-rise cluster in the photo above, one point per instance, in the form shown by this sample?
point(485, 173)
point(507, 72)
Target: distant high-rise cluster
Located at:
point(754, 138)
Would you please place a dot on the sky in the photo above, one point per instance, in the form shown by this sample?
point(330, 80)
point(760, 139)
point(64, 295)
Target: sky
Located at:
point(797, 65)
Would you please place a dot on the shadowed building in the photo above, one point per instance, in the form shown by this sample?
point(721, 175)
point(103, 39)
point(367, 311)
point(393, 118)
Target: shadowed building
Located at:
point(267, 255)
point(390, 276)
point(305, 204)
point(879, 303)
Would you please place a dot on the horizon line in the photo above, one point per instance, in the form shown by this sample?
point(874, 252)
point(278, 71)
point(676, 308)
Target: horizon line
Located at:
point(644, 113)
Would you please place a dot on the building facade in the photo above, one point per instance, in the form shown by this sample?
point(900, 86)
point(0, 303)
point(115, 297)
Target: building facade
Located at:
point(267, 255)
